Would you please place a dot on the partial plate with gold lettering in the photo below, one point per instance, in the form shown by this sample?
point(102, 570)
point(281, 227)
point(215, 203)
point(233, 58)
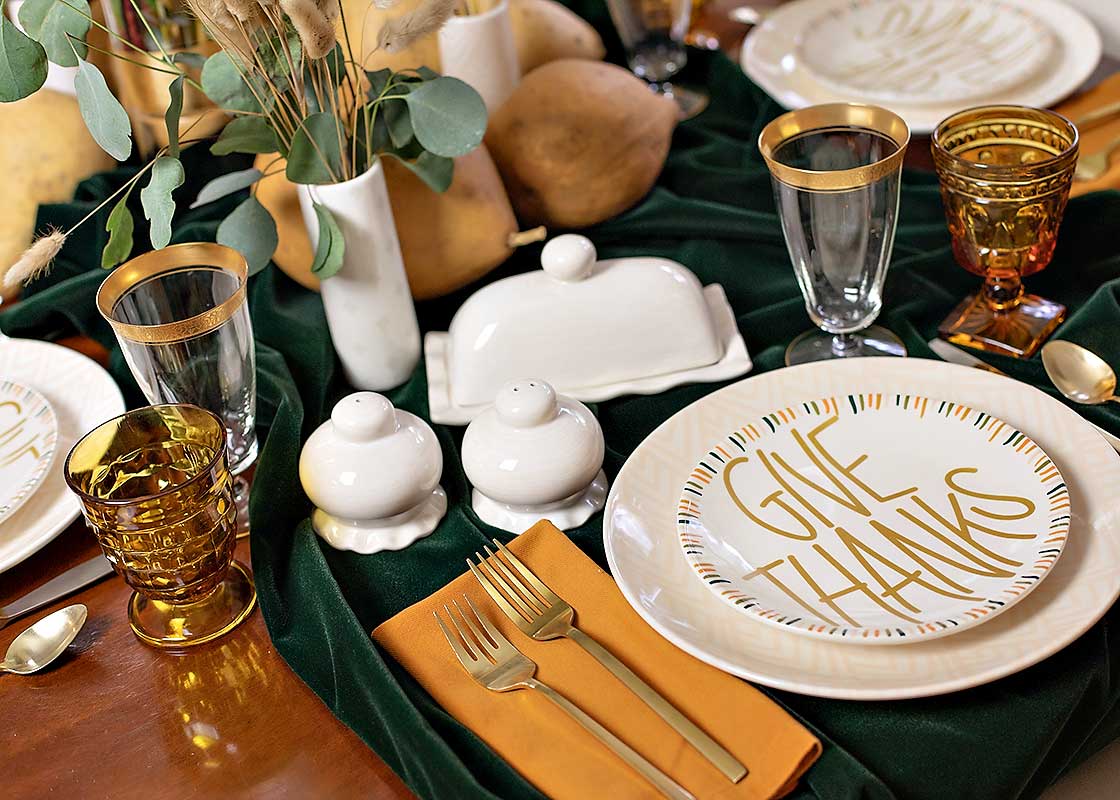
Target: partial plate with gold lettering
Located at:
point(873, 518)
point(28, 435)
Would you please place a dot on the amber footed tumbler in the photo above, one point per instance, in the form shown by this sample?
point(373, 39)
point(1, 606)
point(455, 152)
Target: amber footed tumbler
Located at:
point(1005, 174)
point(156, 490)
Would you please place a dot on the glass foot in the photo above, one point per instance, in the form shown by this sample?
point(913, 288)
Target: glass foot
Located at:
point(1017, 332)
point(820, 345)
point(690, 101)
point(174, 627)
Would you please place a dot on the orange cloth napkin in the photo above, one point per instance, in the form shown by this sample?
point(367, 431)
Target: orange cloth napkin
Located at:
point(549, 749)
point(1098, 136)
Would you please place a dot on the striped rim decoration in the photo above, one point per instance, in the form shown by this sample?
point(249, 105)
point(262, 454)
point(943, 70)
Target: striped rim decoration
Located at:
point(28, 439)
point(702, 545)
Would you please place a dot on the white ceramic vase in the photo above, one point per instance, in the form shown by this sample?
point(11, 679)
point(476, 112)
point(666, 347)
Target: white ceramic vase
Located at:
point(479, 50)
point(369, 306)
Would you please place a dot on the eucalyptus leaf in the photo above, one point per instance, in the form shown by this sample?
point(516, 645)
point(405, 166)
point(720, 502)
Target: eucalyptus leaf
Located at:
point(189, 58)
point(251, 231)
point(246, 135)
point(23, 63)
point(119, 227)
point(448, 116)
point(398, 121)
point(104, 116)
point(427, 73)
point(171, 116)
point(223, 83)
point(331, 248)
point(225, 185)
point(278, 60)
point(60, 26)
point(159, 207)
point(315, 156)
point(377, 82)
point(435, 171)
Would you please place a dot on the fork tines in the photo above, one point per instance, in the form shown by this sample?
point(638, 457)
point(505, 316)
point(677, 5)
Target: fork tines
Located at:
point(517, 595)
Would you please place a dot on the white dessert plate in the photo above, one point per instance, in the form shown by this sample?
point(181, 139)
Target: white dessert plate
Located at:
point(28, 434)
point(897, 53)
point(872, 518)
point(644, 549)
point(83, 395)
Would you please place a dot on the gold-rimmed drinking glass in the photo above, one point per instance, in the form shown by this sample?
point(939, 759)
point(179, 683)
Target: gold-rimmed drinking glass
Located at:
point(181, 318)
point(836, 171)
point(1005, 174)
point(156, 490)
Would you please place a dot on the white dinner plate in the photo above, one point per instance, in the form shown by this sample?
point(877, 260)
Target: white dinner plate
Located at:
point(818, 517)
point(28, 436)
point(83, 395)
point(788, 55)
point(643, 545)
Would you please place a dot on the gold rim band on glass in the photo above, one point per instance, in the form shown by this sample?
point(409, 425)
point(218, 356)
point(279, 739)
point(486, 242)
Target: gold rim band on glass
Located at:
point(196, 255)
point(1004, 124)
point(834, 116)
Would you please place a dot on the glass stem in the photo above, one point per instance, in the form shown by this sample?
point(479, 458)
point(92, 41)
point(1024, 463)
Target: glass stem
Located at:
point(842, 343)
point(1003, 292)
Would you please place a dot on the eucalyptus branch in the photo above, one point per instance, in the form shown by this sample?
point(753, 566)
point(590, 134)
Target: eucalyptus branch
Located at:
point(151, 33)
point(115, 54)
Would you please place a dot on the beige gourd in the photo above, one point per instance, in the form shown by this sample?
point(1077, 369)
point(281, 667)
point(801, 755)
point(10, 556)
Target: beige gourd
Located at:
point(45, 152)
point(579, 142)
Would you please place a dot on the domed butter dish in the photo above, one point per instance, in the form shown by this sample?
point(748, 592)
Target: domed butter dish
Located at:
point(593, 329)
point(373, 473)
point(535, 455)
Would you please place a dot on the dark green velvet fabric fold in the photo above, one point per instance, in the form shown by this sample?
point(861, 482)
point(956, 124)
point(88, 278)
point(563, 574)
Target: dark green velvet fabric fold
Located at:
point(711, 210)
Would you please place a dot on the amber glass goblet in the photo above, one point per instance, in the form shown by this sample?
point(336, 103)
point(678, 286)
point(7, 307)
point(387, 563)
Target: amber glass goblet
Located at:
point(1005, 174)
point(156, 490)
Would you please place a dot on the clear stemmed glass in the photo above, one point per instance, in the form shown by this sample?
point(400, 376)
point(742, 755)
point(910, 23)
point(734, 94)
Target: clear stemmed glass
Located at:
point(836, 171)
point(653, 33)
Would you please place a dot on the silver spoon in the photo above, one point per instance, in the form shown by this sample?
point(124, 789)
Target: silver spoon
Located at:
point(44, 641)
point(1080, 374)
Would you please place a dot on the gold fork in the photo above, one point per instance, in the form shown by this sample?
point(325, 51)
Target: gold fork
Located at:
point(541, 614)
point(1091, 166)
point(499, 666)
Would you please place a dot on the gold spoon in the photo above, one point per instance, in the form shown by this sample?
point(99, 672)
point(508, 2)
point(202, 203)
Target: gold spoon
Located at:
point(1080, 374)
point(44, 641)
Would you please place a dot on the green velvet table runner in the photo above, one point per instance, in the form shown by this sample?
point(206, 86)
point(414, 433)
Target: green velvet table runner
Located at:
point(712, 210)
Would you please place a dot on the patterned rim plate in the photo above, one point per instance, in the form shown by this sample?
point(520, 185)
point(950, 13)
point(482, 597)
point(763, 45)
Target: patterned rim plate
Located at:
point(28, 435)
point(873, 518)
point(925, 51)
point(643, 546)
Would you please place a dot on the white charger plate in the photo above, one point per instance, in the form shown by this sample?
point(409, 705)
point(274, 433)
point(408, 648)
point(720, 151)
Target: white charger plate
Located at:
point(642, 543)
point(771, 57)
point(83, 395)
point(28, 436)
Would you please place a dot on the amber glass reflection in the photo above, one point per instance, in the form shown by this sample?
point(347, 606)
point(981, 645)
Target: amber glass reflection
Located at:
point(1005, 174)
point(156, 490)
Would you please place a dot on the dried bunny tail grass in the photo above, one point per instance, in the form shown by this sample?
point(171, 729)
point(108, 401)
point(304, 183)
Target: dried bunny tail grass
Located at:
point(316, 33)
point(227, 30)
point(35, 259)
point(247, 11)
point(330, 9)
point(384, 4)
point(400, 33)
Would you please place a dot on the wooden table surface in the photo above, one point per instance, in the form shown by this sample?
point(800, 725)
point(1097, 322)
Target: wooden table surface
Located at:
point(113, 718)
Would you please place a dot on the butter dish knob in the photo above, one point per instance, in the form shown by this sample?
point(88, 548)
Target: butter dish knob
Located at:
point(364, 416)
point(526, 403)
point(570, 257)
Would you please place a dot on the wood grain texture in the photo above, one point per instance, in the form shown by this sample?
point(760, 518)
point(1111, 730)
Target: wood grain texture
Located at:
point(114, 718)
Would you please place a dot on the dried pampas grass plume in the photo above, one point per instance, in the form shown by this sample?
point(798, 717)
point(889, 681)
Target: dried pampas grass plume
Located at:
point(316, 33)
point(400, 33)
point(35, 260)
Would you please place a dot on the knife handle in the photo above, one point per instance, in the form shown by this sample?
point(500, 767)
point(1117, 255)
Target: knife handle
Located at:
point(70, 581)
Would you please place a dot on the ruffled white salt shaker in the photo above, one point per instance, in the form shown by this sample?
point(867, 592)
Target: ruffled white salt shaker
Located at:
point(535, 455)
point(373, 473)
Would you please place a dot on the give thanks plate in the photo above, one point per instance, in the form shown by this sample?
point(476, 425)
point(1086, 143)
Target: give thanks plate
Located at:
point(28, 435)
point(873, 518)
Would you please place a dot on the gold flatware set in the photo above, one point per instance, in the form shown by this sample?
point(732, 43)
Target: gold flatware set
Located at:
point(495, 663)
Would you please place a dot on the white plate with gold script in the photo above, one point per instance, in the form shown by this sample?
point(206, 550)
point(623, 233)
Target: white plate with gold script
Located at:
point(82, 395)
point(644, 549)
point(28, 435)
point(873, 518)
point(809, 51)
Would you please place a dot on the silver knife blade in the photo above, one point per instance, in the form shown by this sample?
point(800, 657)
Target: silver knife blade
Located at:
point(955, 355)
point(70, 581)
